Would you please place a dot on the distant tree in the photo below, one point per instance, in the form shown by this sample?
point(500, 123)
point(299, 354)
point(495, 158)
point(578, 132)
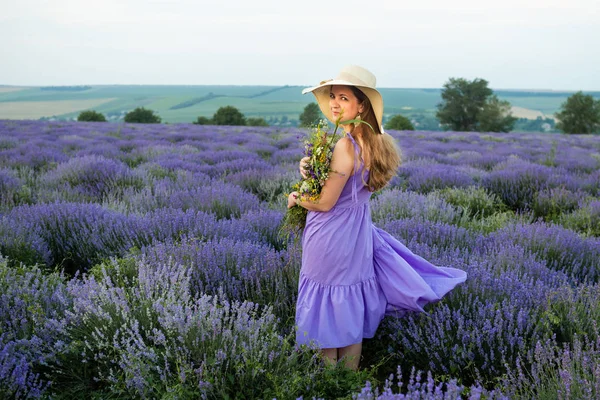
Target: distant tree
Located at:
point(539, 124)
point(472, 106)
point(461, 102)
point(142, 116)
point(229, 115)
point(91, 116)
point(256, 122)
point(203, 121)
point(580, 113)
point(399, 123)
point(311, 115)
point(496, 116)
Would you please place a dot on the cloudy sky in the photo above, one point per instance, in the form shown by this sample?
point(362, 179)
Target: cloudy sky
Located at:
point(514, 44)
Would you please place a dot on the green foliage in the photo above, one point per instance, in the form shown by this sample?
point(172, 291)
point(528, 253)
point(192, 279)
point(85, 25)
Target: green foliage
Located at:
point(425, 122)
point(142, 116)
point(310, 115)
point(535, 125)
point(550, 203)
point(476, 201)
point(319, 147)
point(229, 115)
point(496, 116)
point(585, 220)
point(471, 106)
point(461, 103)
point(256, 122)
point(571, 312)
point(203, 121)
point(328, 382)
point(91, 116)
point(399, 123)
point(123, 272)
point(579, 114)
point(490, 223)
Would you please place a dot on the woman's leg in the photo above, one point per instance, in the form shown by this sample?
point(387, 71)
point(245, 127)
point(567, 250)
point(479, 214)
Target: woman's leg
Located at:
point(330, 355)
point(351, 355)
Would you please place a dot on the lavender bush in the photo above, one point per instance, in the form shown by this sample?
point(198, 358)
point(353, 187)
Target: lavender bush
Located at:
point(93, 177)
point(149, 336)
point(554, 371)
point(9, 187)
point(137, 330)
point(516, 182)
point(396, 204)
point(434, 176)
point(418, 388)
point(240, 270)
point(585, 219)
point(562, 249)
point(33, 329)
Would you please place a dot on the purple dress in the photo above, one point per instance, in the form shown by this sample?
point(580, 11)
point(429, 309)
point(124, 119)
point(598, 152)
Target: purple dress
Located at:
point(353, 273)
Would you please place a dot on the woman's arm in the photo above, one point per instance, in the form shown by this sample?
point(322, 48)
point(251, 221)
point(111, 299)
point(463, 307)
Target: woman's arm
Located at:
point(342, 162)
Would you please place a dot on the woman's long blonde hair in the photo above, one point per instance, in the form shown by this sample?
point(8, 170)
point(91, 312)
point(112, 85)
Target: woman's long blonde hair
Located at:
point(384, 154)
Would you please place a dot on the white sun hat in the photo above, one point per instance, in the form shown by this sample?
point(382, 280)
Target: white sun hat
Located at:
point(351, 75)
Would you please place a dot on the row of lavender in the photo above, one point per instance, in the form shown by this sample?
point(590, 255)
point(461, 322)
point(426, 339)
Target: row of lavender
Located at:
point(191, 214)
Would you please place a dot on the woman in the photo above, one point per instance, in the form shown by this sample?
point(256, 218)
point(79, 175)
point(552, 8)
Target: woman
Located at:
point(352, 272)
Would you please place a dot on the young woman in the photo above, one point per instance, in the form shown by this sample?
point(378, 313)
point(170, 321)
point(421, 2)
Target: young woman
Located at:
point(352, 272)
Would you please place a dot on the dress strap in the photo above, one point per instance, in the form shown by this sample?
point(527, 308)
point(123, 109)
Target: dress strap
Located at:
point(356, 154)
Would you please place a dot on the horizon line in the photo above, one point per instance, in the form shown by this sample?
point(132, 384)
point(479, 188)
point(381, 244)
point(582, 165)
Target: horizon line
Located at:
point(548, 90)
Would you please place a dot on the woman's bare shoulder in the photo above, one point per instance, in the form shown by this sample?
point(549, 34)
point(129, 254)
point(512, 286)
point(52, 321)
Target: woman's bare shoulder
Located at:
point(344, 144)
point(343, 155)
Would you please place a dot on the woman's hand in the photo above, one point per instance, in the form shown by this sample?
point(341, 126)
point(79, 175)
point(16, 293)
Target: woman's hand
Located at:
point(292, 199)
point(303, 164)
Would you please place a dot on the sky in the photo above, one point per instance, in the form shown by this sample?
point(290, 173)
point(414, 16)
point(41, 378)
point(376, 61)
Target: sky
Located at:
point(513, 44)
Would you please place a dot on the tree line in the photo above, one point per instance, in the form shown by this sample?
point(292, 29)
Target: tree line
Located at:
point(472, 106)
point(227, 115)
point(466, 106)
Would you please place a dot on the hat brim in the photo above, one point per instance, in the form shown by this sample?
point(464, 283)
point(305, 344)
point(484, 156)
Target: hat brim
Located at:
point(321, 93)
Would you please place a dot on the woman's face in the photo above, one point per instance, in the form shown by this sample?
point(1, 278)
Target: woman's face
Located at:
point(342, 98)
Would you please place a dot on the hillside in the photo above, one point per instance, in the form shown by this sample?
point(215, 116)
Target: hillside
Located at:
point(278, 105)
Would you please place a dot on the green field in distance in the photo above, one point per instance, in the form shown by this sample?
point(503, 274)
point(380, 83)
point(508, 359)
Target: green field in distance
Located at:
point(185, 103)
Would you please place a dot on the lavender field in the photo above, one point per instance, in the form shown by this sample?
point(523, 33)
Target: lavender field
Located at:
point(144, 261)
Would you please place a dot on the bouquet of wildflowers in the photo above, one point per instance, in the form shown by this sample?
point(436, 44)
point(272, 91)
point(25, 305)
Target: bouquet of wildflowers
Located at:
point(318, 146)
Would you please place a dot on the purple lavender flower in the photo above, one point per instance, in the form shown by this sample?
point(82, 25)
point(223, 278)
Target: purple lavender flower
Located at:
point(93, 176)
point(32, 328)
point(516, 182)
